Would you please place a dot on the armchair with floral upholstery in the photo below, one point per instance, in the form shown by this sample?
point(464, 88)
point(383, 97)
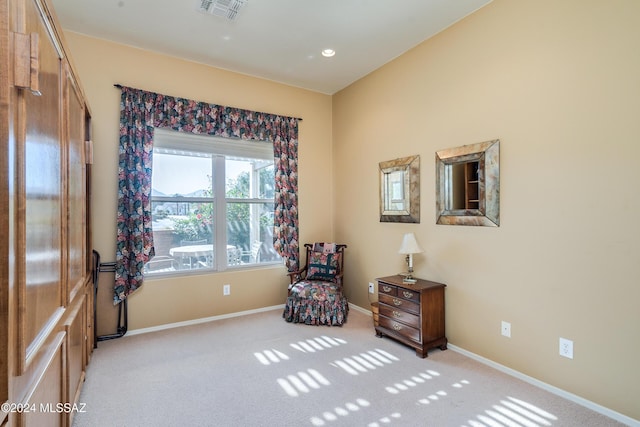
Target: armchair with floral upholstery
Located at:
point(315, 292)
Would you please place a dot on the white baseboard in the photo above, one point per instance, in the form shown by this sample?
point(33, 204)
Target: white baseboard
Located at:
point(220, 317)
point(366, 311)
point(202, 320)
point(548, 387)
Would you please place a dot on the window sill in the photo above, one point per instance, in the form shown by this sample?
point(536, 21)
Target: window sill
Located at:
point(209, 271)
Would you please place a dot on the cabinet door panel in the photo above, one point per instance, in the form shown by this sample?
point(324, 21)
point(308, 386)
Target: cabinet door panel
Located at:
point(75, 329)
point(40, 198)
point(47, 391)
point(76, 186)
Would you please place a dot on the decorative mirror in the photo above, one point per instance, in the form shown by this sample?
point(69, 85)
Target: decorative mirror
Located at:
point(400, 190)
point(468, 185)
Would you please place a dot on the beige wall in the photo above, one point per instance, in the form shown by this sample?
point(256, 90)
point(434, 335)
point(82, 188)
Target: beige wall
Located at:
point(100, 65)
point(558, 83)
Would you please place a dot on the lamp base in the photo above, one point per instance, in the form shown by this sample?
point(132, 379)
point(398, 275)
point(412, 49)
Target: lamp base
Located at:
point(408, 278)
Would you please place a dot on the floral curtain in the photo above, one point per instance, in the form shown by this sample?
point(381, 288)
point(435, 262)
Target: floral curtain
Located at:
point(141, 112)
point(134, 244)
point(285, 236)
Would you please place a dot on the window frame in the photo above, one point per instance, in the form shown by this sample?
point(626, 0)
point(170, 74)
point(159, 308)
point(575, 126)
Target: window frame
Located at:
point(220, 149)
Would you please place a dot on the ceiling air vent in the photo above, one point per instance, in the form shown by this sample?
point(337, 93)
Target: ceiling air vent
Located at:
point(224, 8)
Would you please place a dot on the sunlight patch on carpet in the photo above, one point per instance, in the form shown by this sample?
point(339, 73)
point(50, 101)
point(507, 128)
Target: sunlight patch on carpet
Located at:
point(333, 415)
point(384, 420)
point(383, 356)
point(440, 394)
point(509, 412)
point(533, 408)
point(317, 344)
point(513, 412)
point(303, 382)
point(364, 362)
point(267, 357)
point(414, 381)
point(460, 384)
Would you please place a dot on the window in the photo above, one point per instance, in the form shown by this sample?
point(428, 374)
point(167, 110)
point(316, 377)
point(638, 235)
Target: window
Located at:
point(212, 203)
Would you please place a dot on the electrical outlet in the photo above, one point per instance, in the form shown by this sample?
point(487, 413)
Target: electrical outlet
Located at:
point(566, 348)
point(506, 329)
point(371, 288)
point(226, 290)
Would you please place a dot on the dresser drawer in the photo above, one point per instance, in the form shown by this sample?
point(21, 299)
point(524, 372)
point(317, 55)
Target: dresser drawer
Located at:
point(400, 315)
point(408, 294)
point(387, 289)
point(400, 303)
point(400, 328)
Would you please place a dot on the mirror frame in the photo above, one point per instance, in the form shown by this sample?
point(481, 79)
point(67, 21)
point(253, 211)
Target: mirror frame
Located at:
point(487, 154)
point(411, 187)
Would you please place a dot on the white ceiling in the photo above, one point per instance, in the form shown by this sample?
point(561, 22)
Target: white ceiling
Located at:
point(279, 40)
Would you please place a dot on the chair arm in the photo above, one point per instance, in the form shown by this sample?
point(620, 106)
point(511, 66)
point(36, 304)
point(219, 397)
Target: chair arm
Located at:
point(296, 276)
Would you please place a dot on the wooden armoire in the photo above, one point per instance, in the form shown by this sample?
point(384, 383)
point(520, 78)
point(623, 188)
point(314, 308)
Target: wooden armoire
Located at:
point(46, 294)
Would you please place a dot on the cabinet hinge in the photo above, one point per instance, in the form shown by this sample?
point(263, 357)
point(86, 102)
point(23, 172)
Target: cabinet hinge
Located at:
point(26, 64)
point(88, 149)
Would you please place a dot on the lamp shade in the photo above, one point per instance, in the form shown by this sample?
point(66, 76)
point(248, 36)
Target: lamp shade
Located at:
point(410, 245)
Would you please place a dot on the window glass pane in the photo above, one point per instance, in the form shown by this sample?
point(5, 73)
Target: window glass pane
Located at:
point(250, 233)
point(196, 224)
point(185, 174)
point(266, 180)
point(249, 178)
point(238, 175)
point(180, 229)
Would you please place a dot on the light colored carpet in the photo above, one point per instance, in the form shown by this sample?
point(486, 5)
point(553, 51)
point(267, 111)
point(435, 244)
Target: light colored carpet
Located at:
point(258, 370)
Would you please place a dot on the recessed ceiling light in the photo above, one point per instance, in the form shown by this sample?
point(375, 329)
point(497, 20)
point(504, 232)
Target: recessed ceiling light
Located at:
point(328, 53)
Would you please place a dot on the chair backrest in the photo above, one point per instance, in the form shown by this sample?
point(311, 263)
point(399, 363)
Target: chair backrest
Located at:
point(233, 256)
point(315, 247)
point(255, 251)
point(193, 242)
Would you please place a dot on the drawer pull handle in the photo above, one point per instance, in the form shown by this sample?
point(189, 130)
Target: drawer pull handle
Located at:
point(407, 294)
point(397, 327)
point(396, 313)
point(396, 301)
point(386, 288)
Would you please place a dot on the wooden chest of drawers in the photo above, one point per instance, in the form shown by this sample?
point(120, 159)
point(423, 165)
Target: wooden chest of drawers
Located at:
point(412, 313)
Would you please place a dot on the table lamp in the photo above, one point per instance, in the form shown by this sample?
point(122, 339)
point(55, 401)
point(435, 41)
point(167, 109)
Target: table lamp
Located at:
point(409, 247)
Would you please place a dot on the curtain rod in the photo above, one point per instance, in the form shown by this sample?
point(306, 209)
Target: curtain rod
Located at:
point(119, 86)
